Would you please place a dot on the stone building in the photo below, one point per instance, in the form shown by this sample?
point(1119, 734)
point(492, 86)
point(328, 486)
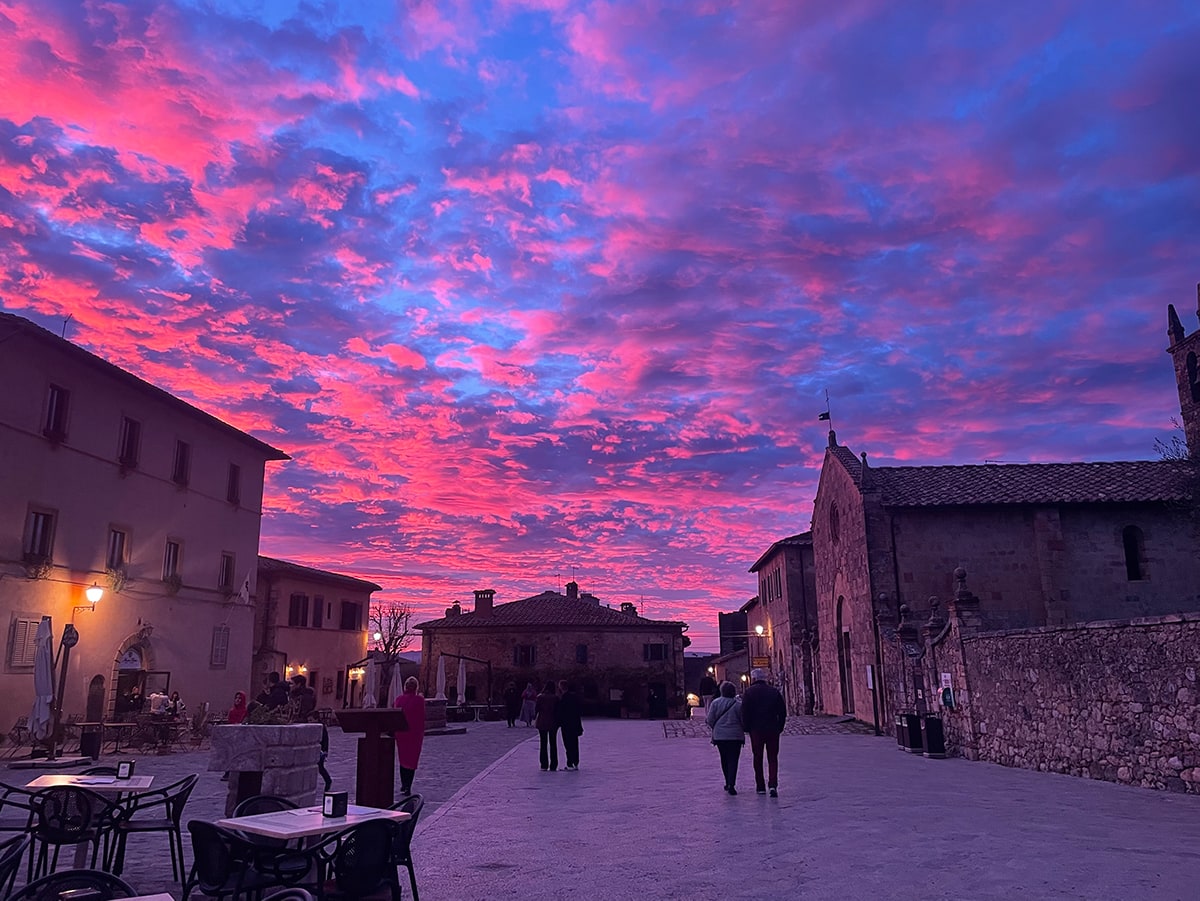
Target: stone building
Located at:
point(108, 481)
point(623, 663)
point(311, 622)
point(787, 613)
point(1047, 545)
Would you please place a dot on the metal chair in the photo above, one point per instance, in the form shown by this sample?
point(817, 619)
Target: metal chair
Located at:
point(11, 852)
point(221, 864)
point(49, 888)
point(357, 862)
point(18, 734)
point(291, 894)
point(165, 806)
point(402, 847)
point(64, 815)
point(16, 809)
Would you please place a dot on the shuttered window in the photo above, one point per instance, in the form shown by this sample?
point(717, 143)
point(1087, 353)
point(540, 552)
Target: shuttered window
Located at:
point(220, 647)
point(24, 643)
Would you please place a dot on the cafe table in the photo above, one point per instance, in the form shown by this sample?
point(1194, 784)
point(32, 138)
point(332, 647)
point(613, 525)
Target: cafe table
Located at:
point(304, 822)
point(101, 785)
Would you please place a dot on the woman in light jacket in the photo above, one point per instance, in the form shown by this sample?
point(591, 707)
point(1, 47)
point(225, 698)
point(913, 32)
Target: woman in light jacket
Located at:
point(724, 718)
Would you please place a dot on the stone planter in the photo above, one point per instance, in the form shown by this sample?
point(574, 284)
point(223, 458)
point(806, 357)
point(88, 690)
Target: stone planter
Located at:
point(268, 760)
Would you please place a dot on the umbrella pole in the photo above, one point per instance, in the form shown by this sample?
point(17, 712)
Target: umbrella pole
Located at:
point(69, 640)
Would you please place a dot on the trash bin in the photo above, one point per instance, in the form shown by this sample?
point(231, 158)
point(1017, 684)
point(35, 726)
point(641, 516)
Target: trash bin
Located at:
point(933, 738)
point(908, 733)
point(89, 743)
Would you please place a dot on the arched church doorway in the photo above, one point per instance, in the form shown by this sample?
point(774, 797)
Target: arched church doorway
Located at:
point(845, 661)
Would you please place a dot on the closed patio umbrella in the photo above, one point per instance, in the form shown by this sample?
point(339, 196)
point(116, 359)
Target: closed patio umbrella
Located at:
point(43, 680)
point(441, 679)
point(462, 682)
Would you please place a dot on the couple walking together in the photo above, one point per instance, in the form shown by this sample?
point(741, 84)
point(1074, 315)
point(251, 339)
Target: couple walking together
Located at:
point(555, 712)
point(760, 712)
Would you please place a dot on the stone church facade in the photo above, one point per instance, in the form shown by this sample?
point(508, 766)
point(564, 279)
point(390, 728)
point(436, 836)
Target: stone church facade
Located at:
point(1048, 547)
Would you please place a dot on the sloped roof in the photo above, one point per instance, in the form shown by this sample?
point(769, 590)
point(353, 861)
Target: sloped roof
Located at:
point(286, 567)
point(1145, 481)
point(802, 540)
point(36, 332)
point(546, 609)
point(1138, 481)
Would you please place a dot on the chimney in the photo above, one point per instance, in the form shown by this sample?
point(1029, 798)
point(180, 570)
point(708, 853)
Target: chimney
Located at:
point(454, 609)
point(483, 601)
point(572, 590)
point(630, 608)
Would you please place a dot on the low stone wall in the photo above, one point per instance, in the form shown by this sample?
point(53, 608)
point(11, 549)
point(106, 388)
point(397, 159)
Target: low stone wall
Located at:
point(268, 760)
point(1114, 700)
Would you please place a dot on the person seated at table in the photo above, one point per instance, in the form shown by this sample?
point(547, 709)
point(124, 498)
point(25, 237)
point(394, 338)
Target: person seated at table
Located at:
point(275, 693)
point(175, 706)
point(158, 703)
point(303, 699)
point(238, 711)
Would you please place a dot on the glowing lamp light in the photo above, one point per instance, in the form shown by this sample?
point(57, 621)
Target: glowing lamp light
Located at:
point(378, 636)
point(304, 669)
point(744, 678)
point(758, 630)
point(711, 670)
point(289, 669)
point(94, 593)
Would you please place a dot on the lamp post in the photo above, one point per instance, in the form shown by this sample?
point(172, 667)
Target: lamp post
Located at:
point(70, 638)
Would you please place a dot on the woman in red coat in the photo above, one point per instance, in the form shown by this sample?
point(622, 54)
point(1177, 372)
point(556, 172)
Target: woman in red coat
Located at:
point(408, 743)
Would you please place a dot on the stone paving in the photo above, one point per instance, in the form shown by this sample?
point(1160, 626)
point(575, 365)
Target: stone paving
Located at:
point(645, 818)
point(794, 725)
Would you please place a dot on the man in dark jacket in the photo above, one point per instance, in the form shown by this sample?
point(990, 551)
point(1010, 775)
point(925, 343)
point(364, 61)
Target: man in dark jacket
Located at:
point(570, 722)
point(763, 715)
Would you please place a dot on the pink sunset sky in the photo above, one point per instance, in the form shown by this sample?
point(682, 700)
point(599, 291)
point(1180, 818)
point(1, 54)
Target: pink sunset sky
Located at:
point(539, 288)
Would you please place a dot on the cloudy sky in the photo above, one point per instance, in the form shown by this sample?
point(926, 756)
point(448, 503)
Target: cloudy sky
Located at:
point(530, 288)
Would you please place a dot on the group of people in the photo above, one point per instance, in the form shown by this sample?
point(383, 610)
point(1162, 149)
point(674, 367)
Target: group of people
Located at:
point(760, 713)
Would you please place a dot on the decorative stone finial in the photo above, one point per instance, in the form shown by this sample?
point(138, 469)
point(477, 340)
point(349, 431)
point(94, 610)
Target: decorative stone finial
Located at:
point(1174, 326)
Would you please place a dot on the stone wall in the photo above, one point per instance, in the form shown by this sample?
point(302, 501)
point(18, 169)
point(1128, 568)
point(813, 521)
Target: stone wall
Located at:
point(1114, 700)
point(285, 756)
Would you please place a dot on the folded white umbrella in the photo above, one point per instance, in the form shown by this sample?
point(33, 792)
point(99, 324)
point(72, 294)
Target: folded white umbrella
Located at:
point(462, 681)
point(43, 680)
point(441, 679)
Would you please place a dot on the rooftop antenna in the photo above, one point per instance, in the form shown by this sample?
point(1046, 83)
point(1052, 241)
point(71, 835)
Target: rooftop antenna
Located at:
point(66, 321)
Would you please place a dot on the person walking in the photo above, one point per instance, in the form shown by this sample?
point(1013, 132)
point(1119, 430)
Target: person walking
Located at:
point(408, 742)
point(763, 715)
point(546, 719)
point(512, 703)
point(528, 704)
point(570, 722)
point(724, 718)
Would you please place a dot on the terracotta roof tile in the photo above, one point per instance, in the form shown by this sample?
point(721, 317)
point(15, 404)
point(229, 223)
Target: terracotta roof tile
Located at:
point(274, 565)
point(1145, 481)
point(546, 609)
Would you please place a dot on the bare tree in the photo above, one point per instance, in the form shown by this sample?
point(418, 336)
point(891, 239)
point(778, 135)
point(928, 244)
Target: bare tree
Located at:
point(391, 633)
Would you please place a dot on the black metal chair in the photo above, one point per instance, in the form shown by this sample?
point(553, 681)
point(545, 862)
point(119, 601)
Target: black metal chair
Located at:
point(291, 894)
point(257, 804)
point(50, 887)
point(402, 848)
point(221, 864)
point(357, 862)
point(16, 809)
point(64, 815)
point(152, 811)
point(11, 852)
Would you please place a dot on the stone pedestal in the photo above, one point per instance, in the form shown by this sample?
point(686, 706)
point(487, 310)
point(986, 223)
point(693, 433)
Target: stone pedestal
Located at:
point(268, 760)
point(435, 714)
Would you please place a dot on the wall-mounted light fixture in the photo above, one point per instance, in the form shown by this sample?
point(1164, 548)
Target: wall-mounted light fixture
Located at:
point(758, 630)
point(93, 593)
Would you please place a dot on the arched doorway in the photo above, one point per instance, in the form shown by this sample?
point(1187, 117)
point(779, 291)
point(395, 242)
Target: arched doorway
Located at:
point(845, 661)
point(95, 700)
